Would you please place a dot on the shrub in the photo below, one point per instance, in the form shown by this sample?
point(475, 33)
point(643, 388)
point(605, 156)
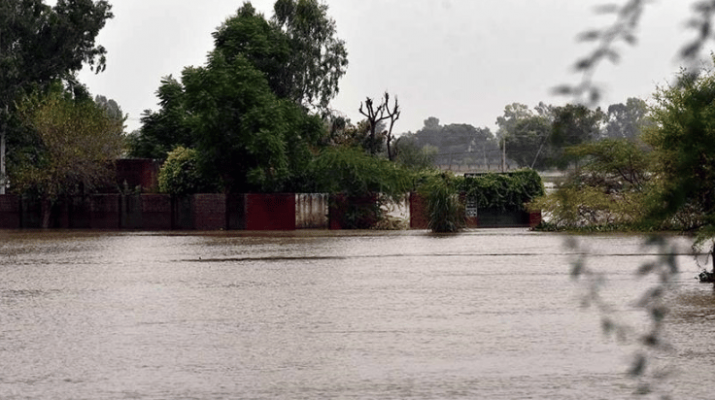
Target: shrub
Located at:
point(180, 174)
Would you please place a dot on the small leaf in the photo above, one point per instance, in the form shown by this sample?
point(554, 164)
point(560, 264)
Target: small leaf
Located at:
point(606, 8)
point(630, 39)
point(691, 50)
point(612, 56)
point(585, 63)
point(588, 36)
point(563, 90)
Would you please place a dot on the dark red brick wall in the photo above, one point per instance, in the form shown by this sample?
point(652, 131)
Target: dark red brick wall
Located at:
point(80, 212)
point(156, 211)
point(419, 219)
point(534, 219)
point(337, 204)
point(62, 215)
point(142, 172)
point(105, 211)
point(270, 212)
point(352, 212)
point(9, 211)
point(209, 210)
point(236, 211)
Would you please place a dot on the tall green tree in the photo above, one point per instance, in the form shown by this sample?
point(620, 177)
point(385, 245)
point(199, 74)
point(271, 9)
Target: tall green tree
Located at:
point(527, 142)
point(161, 131)
point(247, 111)
point(513, 114)
point(520, 133)
point(318, 58)
point(458, 144)
point(573, 124)
point(245, 134)
point(298, 49)
point(626, 120)
point(39, 44)
point(77, 140)
point(682, 136)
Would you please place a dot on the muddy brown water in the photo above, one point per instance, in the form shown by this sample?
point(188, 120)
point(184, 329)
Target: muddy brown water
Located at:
point(490, 314)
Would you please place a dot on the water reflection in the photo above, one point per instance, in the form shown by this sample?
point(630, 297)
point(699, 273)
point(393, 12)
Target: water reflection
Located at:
point(316, 314)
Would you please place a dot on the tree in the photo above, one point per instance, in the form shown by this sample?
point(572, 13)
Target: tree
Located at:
point(77, 143)
point(249, 35)
point(375, 117)
point(297, 49)
point(167, 128)
point(39, 44)
point(412, 156)
point(351, 172)
point(526, 140)
point(573, 124)
point(430, 134)
point(318, 59)
point(247, 136)
point(609, 188)
point(484, 146)
point(682, 136)
point(247, 111)
point(626, 120)
point(460, 144)
point(513, 113)
point(111, 107)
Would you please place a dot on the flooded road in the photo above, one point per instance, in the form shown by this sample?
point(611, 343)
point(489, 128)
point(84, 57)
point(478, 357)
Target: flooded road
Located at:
point(490, 314)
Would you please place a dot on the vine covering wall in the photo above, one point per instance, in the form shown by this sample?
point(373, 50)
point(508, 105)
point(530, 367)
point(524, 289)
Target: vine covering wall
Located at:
point(505, 192)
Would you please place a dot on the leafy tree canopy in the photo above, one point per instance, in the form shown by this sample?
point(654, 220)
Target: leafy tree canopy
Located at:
point(76, 142)
point(527, 142)
point(246, 135)
point(573, 124)
point(682, 135)
point(167, 128)
point(39, 43)
point(297, 49)
point(458, 143)
point(626, 120)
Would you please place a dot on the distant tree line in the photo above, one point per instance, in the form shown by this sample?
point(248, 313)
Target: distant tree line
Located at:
point(535, 138)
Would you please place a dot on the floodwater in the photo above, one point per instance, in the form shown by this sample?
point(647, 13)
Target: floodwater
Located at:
point(486, 314)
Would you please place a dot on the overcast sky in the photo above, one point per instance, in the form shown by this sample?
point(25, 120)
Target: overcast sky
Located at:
point(461, 61)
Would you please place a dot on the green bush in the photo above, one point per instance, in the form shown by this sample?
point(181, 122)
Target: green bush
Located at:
point(445, 210)
point(505, 192)
point(180, 174)
point(354, 173)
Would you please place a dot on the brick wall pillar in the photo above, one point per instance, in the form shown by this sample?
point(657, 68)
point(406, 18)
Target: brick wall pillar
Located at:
point(209, 211)
point(9, 211)
point(270, 212)
point(419, 219)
